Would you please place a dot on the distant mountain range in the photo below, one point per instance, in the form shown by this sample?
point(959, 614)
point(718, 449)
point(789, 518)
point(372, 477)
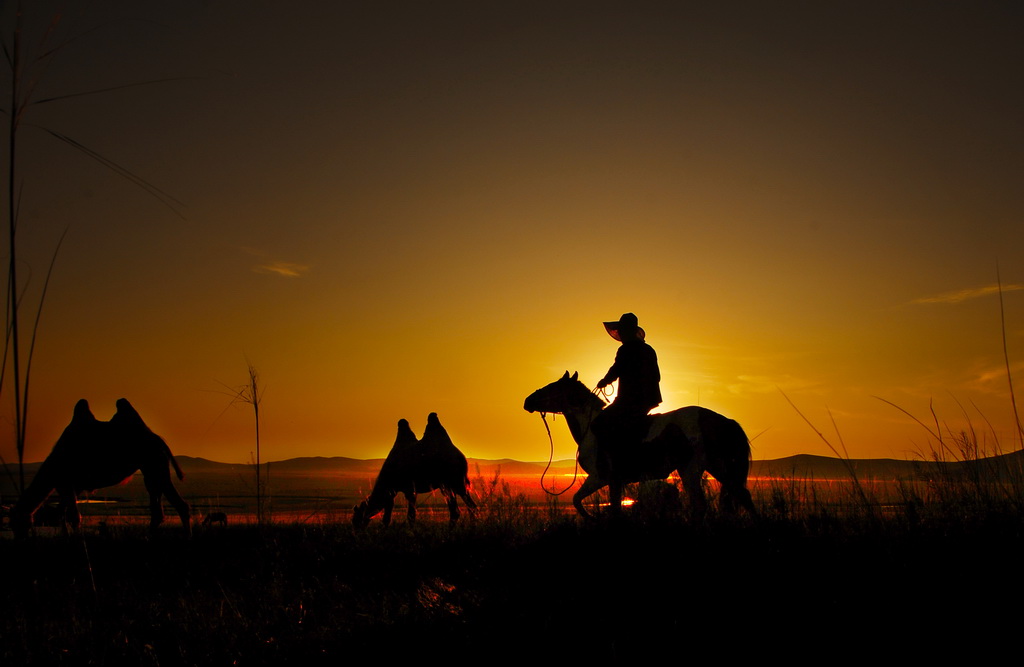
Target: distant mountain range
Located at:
point(803, 466)
point(800, 466)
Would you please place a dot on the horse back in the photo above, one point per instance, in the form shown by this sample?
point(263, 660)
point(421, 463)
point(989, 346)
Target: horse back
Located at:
point(719, 438)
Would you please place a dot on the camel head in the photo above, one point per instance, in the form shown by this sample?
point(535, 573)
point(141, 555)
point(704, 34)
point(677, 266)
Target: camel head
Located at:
point(359, 518)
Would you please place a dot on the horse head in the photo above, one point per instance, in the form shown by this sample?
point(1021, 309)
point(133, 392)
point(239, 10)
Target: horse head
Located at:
point(564, 394)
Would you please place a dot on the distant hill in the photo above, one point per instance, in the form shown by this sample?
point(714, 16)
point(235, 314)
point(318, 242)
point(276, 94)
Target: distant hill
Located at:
point(803, 466)
point(320, 465)
point(808, 466)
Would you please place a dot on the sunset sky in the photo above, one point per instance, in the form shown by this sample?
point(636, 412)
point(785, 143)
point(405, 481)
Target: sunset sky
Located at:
point(396, 208)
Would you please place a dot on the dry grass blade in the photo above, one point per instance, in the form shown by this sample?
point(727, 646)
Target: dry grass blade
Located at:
point(1006, 359)
point(158, 194)
point(35, 325)
point(844, 458)
point(98, 91)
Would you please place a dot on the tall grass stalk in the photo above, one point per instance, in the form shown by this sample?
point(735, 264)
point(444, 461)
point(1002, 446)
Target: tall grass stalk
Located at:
point(1006, 360)
point(251, 394)
point(25, 73)
point(843, 456)
point(975, 475)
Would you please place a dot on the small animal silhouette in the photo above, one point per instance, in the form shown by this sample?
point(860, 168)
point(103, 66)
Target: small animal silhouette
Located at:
point(412, 467)
point(91, 454)
point(216, 517)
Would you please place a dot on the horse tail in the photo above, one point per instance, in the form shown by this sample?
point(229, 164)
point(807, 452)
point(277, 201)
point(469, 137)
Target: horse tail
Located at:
point(739, 451)
point(741, 461)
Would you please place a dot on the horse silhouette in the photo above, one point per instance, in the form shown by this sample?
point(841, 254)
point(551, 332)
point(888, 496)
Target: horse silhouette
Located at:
point(91, 454)
point(689, 440)
point(417, 466)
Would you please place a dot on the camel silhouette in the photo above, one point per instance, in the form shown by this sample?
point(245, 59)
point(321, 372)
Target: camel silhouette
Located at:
point(417, 466)
point(91, 454)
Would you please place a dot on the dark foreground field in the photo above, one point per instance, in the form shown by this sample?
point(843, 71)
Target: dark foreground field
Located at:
point(520, 584)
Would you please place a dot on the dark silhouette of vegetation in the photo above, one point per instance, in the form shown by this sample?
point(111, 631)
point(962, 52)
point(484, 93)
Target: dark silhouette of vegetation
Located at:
point(525, 582)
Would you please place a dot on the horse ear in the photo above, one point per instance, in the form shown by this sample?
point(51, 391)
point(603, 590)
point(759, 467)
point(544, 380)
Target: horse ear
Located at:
point(575, 376)
point(566, 375)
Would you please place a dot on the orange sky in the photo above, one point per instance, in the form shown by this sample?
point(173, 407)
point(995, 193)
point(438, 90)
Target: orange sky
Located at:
point(433, 206)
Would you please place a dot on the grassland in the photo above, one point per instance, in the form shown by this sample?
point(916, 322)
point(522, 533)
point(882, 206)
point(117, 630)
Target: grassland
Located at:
point(827, 570)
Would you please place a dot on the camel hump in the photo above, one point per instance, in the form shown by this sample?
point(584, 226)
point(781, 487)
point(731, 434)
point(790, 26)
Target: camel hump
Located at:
point(434, 428)
point(405, 435)
point(435, 437)
point(126, 411)
point(82, 411)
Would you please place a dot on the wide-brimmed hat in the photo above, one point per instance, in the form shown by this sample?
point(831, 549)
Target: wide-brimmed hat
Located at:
point(627, 321)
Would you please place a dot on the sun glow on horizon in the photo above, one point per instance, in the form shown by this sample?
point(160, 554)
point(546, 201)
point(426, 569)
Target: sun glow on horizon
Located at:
point(448, 227)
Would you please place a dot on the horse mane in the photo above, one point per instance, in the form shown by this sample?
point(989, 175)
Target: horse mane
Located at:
point(588, 397)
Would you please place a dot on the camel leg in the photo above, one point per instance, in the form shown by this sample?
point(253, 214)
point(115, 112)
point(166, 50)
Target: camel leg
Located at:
point(453, 506)
point(156, 481)
point(180, 506)
point(470, 503)
point(69, 510)
point(591, 485)
point(156, 510)
point(411, 500)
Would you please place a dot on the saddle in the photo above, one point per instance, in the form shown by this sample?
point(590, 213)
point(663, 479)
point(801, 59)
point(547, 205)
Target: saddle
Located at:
point(621, 447)
point(626, 455)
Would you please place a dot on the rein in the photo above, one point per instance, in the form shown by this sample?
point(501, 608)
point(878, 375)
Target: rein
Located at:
point(551, 458)
point(603, 393)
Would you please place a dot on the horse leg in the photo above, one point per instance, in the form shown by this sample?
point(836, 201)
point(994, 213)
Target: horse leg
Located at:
point(615, 497)
point(590, 486)
point(734, 487)
point(389, 506)
point(691, 477)
point(735, 496)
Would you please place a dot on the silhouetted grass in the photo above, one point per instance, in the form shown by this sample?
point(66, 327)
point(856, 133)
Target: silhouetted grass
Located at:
point(813, 572)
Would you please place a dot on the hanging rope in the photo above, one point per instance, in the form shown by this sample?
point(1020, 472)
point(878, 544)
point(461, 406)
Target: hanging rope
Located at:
point(551, 458)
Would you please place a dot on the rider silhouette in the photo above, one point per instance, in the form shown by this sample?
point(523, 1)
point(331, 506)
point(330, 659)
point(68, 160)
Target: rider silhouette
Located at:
point(636, 368)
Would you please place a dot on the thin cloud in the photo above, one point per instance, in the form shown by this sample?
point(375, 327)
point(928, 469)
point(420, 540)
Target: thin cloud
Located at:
point(958, 296)
point(286, 269)
point(767, 384)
